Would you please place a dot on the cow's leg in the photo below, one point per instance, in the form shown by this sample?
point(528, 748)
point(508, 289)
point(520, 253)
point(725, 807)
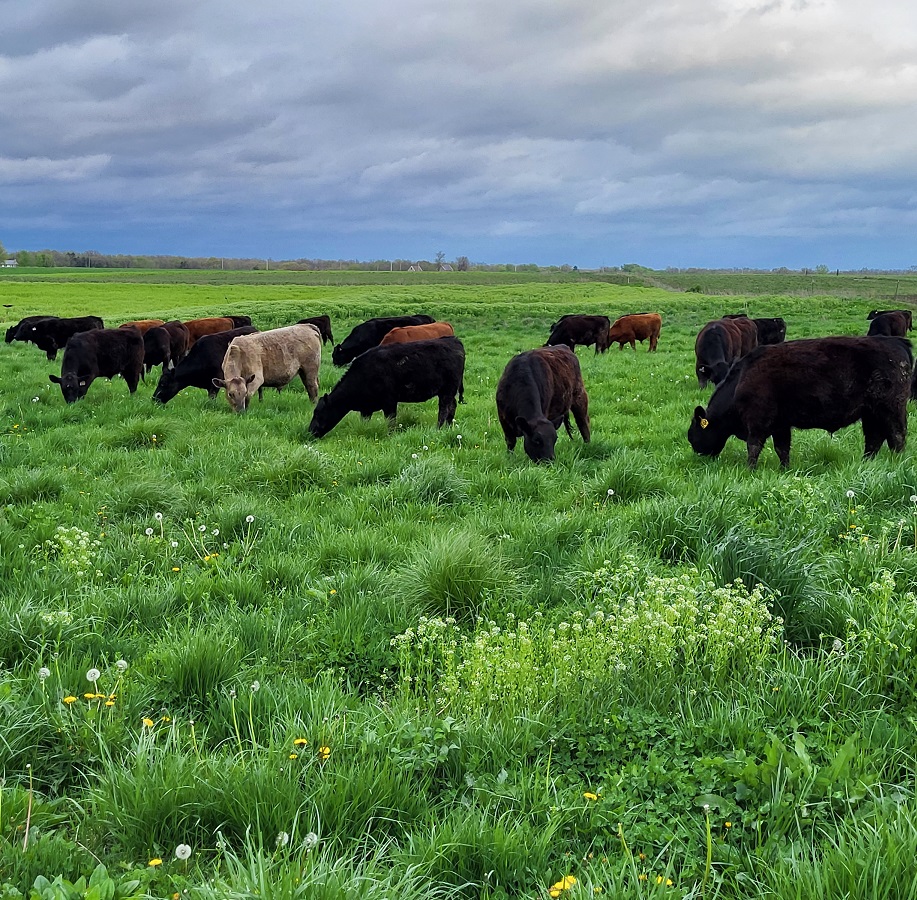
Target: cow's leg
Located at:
point(133, 378)
point(874, 435)
point(782, 446)
point(447, 406)
point(509, 433)
point(310, 384)
point(755, 444)
point(654, 339)
point(391, 413)
point(580, 408)
point(633, 344)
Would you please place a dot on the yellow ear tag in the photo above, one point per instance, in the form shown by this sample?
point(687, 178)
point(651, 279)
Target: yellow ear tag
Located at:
point(704, 423)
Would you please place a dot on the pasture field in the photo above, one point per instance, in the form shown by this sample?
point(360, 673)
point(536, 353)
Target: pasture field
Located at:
point(408, 664)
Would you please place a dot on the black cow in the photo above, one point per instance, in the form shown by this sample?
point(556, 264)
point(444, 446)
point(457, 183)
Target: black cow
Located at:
point(52, 334)
point(203, 363)
point(824, 383)
point(770, 331)
point(100, 353)
point(382, 377)
point(894, 323)
point(19, 331)
point(881, 312)
point(369, 334)
point(240, 321)
point(166, 345)
point(576, 329)
point(537, 391)
point(323, 324)
point(718, 346)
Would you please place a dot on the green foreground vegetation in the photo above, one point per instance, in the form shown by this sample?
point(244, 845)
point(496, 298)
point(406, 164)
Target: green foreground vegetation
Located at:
point(237, 662)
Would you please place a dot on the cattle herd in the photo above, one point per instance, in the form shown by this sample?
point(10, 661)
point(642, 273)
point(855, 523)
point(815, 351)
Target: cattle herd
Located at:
point(764, 385)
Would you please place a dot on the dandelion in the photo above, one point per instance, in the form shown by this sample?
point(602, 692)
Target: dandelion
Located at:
point(249, 519)
point(283, 839)
point(293, 756)
point(44, 674)
point(850, 495)
point(425, 447)
point(35, 399)
point(611, 492)
point(149, 532)
point(564, 884)
point(413, 456)
point(310, 840)
point(93, 675)
point(182, 851)
point(166, 719)
point(89, 696)
point(69, 700)
point(147, 722)
point(728, 824)
point(121, 665)
point(256, 686)
point(590, 796)
point(176, 569)
point(201, 529)
point(913, 498)
point(156, 861)
point(157, 516)
point(324, 753)
point(300, 742)
point(174, 544)
point(215, 532)
point(109, 702)
point(332, 591)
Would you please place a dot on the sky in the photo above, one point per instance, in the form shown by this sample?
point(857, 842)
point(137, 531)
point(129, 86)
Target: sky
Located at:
point(709, 133)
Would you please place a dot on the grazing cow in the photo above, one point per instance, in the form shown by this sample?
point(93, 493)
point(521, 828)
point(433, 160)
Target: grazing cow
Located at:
point(211, 325)
point(770, 331)
point(239, 321)
point(824, 383)
point(100, 353)
point(166, 345)
point(203, 363)
point(270, 359)
point(536, 393)
point(881, 312)
point(407, 333)
point(633, 328)
point(52, 333)
point(890, 324)
point(323, 324)
point(575, 329)
point(144, 325)
point(369, 334)
point(19, 331)
point(719, 344)
point(382, 377)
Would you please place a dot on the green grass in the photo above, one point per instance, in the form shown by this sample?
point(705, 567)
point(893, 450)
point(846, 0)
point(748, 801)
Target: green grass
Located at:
point(477, 642)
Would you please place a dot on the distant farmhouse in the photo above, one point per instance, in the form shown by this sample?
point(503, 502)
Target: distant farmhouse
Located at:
point(445, 267)
point(10, 263)
point(415, 268)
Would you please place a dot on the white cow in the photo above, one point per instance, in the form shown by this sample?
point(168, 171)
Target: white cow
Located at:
point(270, 359)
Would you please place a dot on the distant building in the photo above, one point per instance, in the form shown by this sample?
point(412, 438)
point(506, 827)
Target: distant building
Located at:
point(10, 263)
point(445, 267)
point(415, 268)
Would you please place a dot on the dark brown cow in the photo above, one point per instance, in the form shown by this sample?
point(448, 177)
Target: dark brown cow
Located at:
point(890, 324)
point(323, 324)
point(719, 344)
point(166, 345)
point(633, 328)
point(575, 329)
point(407, 333)
point(824, 383)
point(881, 312)
point(212, 325)
point(770, 331)
point(143, 325)
point(536, 393)
point(51, 333)
point(370, 333)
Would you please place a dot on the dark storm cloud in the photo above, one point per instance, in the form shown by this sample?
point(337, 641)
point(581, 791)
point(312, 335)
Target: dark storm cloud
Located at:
point(578, 122)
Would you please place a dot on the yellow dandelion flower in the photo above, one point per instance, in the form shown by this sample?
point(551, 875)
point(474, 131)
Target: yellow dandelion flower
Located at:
point(642, 876)
point(109, 702)
point(590, 796)
point(156, 861)
point(166, 719)
point(176, 569)
point(299, 742)
point(564, 884)
point(89, 696)
point(332, 591)
point(293, 756)
point(149, 723)
point(69, 700)
point(642, 857)
point(728, 824)
point(98, 697)
point(324, 753)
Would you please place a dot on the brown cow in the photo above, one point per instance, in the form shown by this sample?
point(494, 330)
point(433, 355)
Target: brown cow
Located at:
point(143, 324)
point(199, 327)
point(629, 329)
point(719, 344)
point(408, 333)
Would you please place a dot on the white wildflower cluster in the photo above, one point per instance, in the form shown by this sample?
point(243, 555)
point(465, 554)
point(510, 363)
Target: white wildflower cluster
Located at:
point(426, 653)
point(680, 628)
point(75, 550)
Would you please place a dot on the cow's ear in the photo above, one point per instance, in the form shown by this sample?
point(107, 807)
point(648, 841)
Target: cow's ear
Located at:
point(54, 378)
point(523, 425)
point(250, 378)
point(700, 416)
point(218, 382)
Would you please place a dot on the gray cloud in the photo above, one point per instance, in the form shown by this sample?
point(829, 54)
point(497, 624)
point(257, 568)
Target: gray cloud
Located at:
point(499, 129)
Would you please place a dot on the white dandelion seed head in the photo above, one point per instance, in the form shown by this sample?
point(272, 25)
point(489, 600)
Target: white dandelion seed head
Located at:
point(121, 665)
point(850, 495)
point(611, 492)
point(256, 686)
point(44, 673)
point(157, 516)
point(249, 519)
point(93, 675)
point(35, 399)
point(310, 840)
point(232, 693)
point(174, 543)
point(215, 532)
point(182, 851)
point(283, 839)
point(149, 532)
point(413, 456)
point(225, 545)
point(202, 528)
point(913, 498)
point(425, 447)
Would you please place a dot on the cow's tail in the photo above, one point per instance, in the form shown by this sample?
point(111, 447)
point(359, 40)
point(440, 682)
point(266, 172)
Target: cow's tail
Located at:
point(462, 391)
